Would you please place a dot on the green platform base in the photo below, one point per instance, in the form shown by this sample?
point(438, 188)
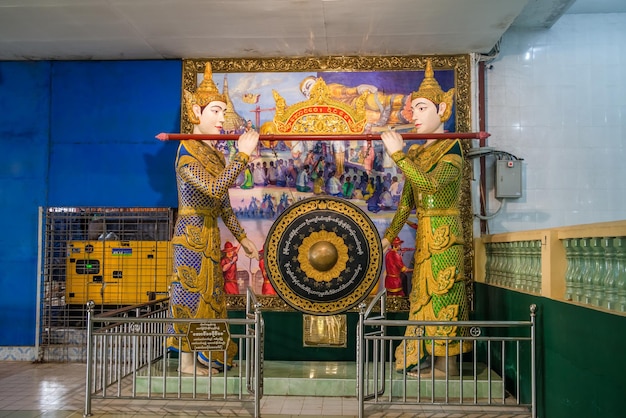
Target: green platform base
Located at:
point(321, 378)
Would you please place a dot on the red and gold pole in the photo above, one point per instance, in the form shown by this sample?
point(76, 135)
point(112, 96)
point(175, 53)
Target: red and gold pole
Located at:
point(316, 137)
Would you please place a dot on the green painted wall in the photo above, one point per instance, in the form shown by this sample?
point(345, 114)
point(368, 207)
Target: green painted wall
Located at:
point(581, 353)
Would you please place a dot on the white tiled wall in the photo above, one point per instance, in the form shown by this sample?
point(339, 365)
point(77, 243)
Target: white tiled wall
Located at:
point(557, 99)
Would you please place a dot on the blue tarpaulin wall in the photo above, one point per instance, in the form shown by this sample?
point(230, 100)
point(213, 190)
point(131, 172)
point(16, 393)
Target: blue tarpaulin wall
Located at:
point(76, 134)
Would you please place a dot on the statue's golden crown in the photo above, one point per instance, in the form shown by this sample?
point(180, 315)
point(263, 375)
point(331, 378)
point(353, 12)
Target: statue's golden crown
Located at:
point(206, 93)
point(431, 90)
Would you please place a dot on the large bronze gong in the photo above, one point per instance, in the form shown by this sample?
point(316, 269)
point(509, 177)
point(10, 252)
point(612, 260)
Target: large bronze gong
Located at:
point(323, 255)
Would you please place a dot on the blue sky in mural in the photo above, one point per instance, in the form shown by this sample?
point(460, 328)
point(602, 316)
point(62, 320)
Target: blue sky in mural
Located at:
point(288, 86)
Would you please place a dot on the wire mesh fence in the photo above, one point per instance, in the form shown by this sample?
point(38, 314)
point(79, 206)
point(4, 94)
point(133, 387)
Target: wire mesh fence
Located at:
point(115, 257)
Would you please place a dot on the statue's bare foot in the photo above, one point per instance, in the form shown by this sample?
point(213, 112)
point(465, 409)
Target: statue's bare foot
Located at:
point(426, 373)
point(449, 365)
point(200, 370)
point(188, 366)
point(443, 367)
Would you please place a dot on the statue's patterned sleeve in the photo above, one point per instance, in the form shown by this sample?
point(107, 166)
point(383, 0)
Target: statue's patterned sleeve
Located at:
point(214, 186)
point(230, 219)
point(405, 206)
point(447, 169)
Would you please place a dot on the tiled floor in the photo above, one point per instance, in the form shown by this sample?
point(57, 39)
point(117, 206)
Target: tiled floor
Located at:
point(58, 390)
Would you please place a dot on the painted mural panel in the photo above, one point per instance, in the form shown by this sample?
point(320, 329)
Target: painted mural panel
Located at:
point(373, 92)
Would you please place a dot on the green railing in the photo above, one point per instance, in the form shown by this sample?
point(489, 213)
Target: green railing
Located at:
point(596, 272)
point(582, 264)
point(515, 264)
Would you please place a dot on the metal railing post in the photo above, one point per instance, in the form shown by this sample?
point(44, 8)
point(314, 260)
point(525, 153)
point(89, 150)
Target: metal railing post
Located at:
point(258, 376)
point(89, 371)
point(360, 360)
point(533, 365)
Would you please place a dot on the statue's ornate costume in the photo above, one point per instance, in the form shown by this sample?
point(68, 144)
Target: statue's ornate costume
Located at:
point(203, 180)
point(197, 289)
point(433, 173)
point(438, 289)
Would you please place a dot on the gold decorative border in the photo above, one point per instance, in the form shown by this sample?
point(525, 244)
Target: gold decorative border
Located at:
point(461, 64)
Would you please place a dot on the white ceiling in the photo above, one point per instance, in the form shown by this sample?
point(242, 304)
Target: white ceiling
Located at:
point(174, 29)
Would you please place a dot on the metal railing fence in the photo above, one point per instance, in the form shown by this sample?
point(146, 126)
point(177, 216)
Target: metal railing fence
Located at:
point(128, 357)
point(499, 371)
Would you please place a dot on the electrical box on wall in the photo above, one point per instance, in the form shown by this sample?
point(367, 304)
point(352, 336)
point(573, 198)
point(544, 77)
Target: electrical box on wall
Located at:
point(508, 179)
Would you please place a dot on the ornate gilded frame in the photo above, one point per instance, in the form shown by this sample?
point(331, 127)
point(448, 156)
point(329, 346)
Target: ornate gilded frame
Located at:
point(460, 64)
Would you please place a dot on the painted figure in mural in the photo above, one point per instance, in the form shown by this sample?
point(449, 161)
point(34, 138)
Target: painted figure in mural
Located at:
point(395, 190)
point(319, 185)
point(248, 180)
point(369, 189)
point(203, 179)
point(380, 109)
point(266, 288)
point(395, 269)
point(281, 173)
point(368, 154)
point(229, 268)
point(249, 126)
point(433, 174)
point(333, 185)
point(386, 201)
point(302, 182)
point(260, 179)
point(339, 153)
point(272, 174)
point(347, 189)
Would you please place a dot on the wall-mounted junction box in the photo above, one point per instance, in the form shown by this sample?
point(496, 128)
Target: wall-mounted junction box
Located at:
point(508, 179)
